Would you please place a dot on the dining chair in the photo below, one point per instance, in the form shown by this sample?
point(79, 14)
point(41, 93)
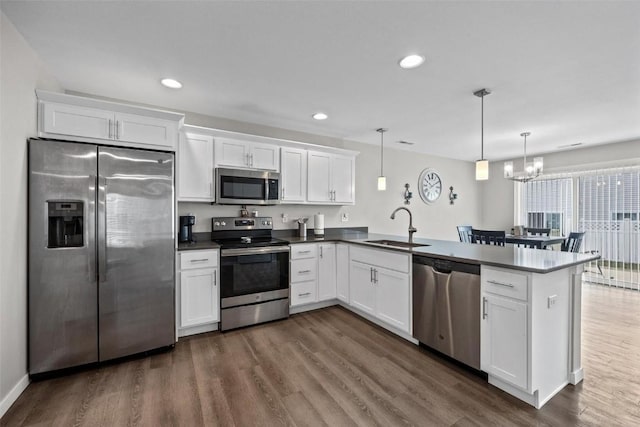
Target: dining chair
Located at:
point(538, 231)
point(464, 232)
point(573, 242)
point(488, 237)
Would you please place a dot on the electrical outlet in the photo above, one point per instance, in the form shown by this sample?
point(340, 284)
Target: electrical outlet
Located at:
point(285, 218)
point(345, 217)
point(551, 301)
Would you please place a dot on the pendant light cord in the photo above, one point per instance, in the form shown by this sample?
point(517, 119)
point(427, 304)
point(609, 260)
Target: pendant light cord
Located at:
point(482, 127)
point(382, 131)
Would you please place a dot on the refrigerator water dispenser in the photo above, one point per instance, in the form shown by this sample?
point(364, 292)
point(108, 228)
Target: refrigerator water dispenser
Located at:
point(65, 224)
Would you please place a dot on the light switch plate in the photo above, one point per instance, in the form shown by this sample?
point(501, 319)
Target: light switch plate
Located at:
point(345, 217)
point(285, 217)
point(551, 301)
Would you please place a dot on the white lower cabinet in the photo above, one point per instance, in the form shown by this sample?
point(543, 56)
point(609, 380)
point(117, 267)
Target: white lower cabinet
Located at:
point(504, 339)
point(312, 273)
point(381, 286)
point(342, 272)
point(199, 294)
point(363, 296)
point(326, 271)
point(524, 332)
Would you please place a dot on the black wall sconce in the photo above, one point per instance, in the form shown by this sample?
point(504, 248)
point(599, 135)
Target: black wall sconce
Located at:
point(452, 196)
point(407, 195)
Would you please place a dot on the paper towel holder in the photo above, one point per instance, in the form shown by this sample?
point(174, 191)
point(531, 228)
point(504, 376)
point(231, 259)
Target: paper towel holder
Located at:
point(318, 225)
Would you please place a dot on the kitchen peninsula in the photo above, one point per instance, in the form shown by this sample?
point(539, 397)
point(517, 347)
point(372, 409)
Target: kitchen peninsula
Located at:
point(530, 303)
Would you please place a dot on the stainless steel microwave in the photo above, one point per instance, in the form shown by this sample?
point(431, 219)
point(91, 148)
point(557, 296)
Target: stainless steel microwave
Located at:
point(247, 187)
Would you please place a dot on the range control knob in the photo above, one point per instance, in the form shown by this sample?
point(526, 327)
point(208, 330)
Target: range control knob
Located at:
point(216, 224)
point(268, 222)
point(223, 223)
point(264, 222)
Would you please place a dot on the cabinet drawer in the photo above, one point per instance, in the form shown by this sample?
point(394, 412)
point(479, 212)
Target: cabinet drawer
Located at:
point(304, 251)
point(303, 270)
point(303, 293)
point(198, 259)
point(381, 258)
point(506, 283)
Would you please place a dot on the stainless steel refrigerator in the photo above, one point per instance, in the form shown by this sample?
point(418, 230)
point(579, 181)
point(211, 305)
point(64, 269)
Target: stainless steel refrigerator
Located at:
point(101, 253)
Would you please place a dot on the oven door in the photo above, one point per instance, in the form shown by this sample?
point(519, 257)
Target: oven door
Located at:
point(250, 275)
point(245, 187)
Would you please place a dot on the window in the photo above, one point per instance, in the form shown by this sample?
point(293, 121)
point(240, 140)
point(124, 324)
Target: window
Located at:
point(548, 204)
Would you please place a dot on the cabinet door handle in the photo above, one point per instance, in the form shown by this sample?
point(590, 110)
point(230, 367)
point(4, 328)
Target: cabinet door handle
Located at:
point(215, 280)
point(117, 129)
point(304, 271)
point(493, 282)
point(484, 308)
point(321, 252)
point(110, 124)
point(251, 159)
point(199, 260)
point(283, 192)
point(246, 159)
point(371, 274)
point(304, 294)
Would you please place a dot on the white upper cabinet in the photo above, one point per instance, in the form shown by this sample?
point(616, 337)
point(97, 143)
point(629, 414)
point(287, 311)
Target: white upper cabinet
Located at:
point(145, 130)
point(330, 178)
point(343, 179)
point(80, 118)
point(195, 168)
point(245, 154)
point(79, 121)
point(293, 175)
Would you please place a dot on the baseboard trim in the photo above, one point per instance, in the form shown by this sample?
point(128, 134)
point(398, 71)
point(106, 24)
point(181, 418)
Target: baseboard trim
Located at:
point(13, 395)
point(200, 329)
point(576, 376)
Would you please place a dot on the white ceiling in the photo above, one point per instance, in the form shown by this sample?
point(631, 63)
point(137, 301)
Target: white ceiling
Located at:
point(566, 71)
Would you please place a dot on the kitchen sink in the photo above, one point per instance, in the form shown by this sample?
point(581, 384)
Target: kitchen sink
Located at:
point(396, 243)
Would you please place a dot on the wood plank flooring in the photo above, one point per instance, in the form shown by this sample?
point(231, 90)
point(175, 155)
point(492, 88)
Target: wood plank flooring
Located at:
point(332, 368)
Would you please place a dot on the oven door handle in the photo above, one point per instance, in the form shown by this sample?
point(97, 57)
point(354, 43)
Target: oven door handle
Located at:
point(254, 251)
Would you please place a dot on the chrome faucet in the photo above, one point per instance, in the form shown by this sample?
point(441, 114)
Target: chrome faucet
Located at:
point(412, 229)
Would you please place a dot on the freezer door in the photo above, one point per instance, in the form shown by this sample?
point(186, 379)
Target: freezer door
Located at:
point(135, 251)
point(63, 322)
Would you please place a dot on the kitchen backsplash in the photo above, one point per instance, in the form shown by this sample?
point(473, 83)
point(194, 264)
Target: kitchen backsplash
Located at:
point(332, 214)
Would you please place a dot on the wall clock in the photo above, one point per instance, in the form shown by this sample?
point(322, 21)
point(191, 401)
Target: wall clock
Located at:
point(429, 185)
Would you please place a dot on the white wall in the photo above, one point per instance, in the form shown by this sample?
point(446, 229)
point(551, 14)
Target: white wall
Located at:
point(497, 192)
point(373, 208)
point(21, 72)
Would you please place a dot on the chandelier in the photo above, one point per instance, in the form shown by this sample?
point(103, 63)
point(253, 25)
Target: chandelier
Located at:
point(531, 170)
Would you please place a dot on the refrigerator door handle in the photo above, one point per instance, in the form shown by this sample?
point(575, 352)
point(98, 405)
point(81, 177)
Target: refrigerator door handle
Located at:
point(102, 229)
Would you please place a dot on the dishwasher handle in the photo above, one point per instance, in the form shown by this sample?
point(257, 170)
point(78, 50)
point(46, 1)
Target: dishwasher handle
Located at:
point(442, 266)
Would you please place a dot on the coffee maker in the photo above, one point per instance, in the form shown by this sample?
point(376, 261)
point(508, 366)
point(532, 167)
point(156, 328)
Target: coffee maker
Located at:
point(186, 229)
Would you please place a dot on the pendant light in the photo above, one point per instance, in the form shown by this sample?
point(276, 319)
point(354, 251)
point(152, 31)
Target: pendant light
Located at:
point(482, 165)
point(382, 180)
point(531, 170)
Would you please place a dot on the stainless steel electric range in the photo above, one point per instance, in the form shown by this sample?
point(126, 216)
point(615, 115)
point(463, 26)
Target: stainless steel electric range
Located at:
point(254, 271)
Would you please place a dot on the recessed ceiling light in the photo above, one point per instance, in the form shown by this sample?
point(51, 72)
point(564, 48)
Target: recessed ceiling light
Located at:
point(171, 83)
point(411, 61)
point(320, 116)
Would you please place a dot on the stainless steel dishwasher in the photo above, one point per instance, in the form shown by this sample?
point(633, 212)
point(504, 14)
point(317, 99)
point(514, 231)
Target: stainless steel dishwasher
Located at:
point(446, 307)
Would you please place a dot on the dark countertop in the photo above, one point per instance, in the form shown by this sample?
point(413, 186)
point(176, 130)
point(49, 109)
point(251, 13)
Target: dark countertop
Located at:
point(203, 241)
point(508, 256)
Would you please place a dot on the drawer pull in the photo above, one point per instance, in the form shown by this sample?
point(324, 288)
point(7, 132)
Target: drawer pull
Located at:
point(304, 252)
point(304, 272)
point(199, 260)
point(306, 294)
point(493, 282)
point(484, 308)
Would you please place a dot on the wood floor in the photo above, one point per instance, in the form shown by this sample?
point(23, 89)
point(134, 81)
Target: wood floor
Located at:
point(330, 367)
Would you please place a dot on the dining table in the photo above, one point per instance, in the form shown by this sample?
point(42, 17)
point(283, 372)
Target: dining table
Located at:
point(538, 242)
